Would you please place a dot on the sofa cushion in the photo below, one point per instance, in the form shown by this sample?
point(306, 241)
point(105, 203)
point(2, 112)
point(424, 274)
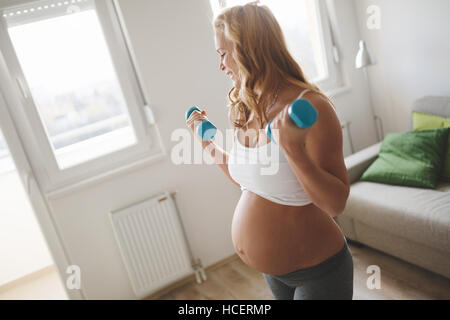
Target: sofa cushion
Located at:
point(413, 159)
point(420, 215)
point(425, 121)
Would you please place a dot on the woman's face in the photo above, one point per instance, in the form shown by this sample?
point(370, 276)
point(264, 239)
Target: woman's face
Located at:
point(227, 63)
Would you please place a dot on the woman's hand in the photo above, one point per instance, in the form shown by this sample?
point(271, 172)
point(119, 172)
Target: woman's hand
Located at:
point(286, 133)
point(194, 119)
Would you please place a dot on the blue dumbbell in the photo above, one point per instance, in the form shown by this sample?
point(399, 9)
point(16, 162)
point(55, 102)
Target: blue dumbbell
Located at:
point(205, 129)
point(302, 112)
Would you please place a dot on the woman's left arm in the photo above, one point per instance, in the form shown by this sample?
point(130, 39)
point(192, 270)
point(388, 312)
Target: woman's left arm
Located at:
point(315, 155)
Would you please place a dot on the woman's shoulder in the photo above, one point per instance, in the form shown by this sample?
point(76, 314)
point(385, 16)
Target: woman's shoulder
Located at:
point(328, 126)
point(319, 100)
point(315, 95)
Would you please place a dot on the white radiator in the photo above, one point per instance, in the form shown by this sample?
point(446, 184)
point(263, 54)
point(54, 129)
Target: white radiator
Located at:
point(153, 244)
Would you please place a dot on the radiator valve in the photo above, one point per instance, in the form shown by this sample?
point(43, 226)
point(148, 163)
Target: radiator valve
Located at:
point(199, 271)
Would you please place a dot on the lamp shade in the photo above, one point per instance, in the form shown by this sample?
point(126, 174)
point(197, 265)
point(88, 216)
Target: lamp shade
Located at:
point(363, 57)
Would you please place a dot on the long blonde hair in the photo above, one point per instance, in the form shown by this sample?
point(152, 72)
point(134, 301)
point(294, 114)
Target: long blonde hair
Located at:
point(263, 60)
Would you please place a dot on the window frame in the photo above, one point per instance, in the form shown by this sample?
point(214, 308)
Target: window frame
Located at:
point(335, 78)
point(48, 173)
point(6, 162)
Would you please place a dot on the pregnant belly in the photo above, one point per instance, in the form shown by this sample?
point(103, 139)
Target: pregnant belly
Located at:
point(277, 239)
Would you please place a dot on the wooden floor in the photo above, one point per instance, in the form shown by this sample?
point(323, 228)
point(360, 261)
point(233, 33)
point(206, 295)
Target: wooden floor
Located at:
point(42, 285)
point(399, 280)
point(231, 279)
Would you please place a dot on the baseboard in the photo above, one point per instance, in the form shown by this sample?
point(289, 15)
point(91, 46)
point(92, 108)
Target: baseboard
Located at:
point(27, 278)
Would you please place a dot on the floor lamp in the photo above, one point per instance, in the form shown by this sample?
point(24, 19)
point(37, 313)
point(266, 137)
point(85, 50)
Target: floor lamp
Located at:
point(363, 60)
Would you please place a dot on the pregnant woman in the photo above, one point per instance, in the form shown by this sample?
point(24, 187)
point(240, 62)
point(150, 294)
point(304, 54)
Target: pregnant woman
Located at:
point(283, 224)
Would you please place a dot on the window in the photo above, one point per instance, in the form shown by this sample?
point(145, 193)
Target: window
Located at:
point(306, 29)
point(80, 91)
point(76, 91)
point(6, 163)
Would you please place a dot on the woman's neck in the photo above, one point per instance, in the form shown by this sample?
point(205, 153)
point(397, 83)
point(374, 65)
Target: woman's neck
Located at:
point(286, 95)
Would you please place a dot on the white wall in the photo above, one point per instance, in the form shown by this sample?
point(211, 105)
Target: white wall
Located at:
point(353, 104)
point(174, 46)
point(22, 247)
point(412, 48)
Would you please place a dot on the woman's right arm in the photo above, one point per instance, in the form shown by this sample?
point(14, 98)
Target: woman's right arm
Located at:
point(219, 155)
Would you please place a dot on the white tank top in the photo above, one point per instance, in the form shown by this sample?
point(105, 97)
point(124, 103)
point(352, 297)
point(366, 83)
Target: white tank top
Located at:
point(265, 171)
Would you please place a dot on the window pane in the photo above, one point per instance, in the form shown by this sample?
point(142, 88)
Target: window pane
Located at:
point(299, 21)
point(69, 71)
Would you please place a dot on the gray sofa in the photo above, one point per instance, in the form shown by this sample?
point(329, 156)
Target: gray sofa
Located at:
point(412, 224)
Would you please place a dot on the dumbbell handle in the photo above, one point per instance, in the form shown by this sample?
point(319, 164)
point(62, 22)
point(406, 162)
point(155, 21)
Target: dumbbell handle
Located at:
point(302, 112)
point(205, 129)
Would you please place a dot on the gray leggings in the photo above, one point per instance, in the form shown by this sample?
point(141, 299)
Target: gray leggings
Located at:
point(329, 280)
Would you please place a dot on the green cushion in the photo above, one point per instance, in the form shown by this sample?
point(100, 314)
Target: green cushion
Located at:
point(413, 159)
point(425, 121)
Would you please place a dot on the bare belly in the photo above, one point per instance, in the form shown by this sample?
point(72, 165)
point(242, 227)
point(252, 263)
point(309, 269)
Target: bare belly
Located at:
point(277, 239)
